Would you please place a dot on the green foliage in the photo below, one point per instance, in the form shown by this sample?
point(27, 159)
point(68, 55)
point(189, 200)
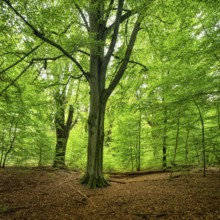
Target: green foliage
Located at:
point(174, 62)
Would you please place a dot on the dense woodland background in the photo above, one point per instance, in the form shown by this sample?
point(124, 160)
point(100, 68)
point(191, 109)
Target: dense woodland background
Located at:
point(165, 110)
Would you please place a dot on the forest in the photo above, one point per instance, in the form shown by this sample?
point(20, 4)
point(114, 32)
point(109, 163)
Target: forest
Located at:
point(109, 92)
point(109, 85)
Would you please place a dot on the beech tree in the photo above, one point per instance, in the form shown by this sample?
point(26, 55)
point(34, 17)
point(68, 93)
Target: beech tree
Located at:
point(99, 93)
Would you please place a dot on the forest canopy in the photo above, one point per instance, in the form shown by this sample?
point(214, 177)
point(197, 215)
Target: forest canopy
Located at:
point(113, 85)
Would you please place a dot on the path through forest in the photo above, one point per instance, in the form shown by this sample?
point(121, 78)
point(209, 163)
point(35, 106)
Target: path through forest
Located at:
point(56, 194)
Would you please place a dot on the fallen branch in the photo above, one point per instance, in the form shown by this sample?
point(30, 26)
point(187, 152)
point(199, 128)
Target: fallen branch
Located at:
point(136, 173)
point(87, 198)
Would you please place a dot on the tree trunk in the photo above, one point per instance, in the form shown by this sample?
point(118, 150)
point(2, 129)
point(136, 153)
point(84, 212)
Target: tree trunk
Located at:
point(94, 172)
point(139, 142)
point(2, 146)
point(12, 139)
point(187, 147)
point(203, 137)
point(99, 62)
point(165, 139)
point(62, 135)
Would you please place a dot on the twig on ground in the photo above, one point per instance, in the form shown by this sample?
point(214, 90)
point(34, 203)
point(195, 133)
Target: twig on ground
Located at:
point(87, 198)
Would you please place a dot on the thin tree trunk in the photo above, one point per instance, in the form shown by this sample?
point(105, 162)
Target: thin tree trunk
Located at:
point(12, 138)
point(164, 149)
point(165, 139)
point(139, 136)
point(196, 149)
point(203, 137)
point(139, 146)
point(218, 115)
point(177, 142)
point(186, 147)
point(40, 156)
point(2, 148)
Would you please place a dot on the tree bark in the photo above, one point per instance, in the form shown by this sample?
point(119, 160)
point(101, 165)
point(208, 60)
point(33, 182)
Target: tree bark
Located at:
point(62, 134)
point(94, 171)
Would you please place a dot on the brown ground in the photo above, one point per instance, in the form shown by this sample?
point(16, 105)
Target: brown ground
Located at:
point(52, 194)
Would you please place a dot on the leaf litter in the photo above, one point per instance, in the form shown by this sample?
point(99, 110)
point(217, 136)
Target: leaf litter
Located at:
point(49, 194)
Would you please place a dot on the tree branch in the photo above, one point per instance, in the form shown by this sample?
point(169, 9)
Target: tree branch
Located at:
point(122, 19)
point(77, 77)
point(83, 17)
point(108, 12)
point(13, 81)
point(125, 61)
point(83, 52)
point(69, 121)
point(17, 62)
point(114, 37)
point(134, 62)
point(45, 39)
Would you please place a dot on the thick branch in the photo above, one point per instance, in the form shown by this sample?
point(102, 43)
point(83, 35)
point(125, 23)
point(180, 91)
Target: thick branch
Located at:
point(114, 36)
point(125, 61)
point(122, 19)
point(108, 12)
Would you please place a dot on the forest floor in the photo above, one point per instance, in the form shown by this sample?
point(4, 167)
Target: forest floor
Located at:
point(48, 194)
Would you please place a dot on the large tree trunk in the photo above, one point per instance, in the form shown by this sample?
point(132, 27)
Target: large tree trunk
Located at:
point(99, 95)
point(94, 172)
